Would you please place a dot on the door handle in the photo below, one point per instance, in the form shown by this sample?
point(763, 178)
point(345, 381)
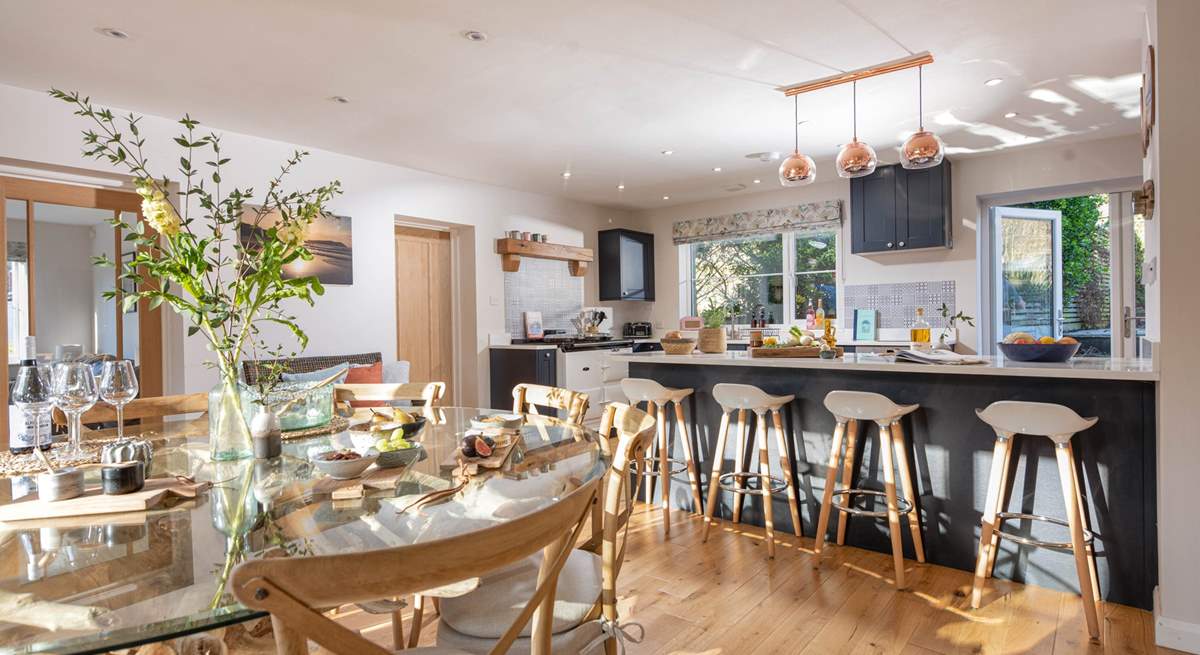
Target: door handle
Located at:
point(889, 244)
point(901, 244)
point(1128, 318)
point(587, 368)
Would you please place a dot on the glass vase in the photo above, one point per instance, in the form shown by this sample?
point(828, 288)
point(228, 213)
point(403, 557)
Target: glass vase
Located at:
point(228, 432)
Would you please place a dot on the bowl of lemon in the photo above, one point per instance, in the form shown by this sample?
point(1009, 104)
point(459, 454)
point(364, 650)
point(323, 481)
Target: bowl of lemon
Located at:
point(1024, 347)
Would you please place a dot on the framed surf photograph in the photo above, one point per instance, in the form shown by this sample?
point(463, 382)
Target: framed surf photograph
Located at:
point(328, 238)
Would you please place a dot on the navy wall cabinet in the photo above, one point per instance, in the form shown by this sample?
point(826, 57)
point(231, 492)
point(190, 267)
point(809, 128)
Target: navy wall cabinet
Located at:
point(894, 209)
point(626, 265)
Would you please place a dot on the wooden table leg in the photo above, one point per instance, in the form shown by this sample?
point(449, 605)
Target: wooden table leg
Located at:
point(287, 640)
point(543, 616)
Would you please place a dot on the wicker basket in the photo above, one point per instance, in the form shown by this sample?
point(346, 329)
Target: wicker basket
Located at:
point(678, 346)
point(712, 340)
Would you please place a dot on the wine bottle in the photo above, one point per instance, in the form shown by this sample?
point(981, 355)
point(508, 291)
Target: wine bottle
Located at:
point(31, 395)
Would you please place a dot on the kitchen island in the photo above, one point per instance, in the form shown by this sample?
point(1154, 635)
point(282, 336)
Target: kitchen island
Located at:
point(951, 453)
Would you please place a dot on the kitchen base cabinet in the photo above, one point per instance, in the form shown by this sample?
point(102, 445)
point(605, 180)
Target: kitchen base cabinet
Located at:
point(513, 365)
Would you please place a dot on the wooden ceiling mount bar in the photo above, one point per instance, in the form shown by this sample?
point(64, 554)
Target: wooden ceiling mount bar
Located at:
point(911, 61)
point(512, 250)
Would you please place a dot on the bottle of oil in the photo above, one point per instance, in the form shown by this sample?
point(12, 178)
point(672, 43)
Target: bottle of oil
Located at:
point(920, 334)
point(820, 316)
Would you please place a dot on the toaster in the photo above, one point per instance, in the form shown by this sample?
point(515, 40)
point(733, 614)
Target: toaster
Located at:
point(638, 329)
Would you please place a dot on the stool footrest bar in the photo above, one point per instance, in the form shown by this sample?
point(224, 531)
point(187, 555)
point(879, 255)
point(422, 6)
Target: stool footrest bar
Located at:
point(902, 505)
point(1001, 517)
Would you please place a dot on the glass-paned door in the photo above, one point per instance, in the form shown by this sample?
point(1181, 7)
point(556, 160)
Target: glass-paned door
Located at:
point(1027, 283)
point(1128, 234)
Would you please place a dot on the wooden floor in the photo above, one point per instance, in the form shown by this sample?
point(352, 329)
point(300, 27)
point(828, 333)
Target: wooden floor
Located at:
point(725, 597)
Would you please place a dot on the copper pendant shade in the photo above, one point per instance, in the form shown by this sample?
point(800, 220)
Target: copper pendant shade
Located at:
point(923, 149)
point(798, 169)
point(856, 159)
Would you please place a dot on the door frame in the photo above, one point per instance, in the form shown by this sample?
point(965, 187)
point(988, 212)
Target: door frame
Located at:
point(150, 337)
point(1122, 275)
point(995, 257)
point(983, 240)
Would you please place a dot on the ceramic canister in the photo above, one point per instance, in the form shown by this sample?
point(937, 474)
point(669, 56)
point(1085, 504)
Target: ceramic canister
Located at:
point(123, 478)
point(61, 484)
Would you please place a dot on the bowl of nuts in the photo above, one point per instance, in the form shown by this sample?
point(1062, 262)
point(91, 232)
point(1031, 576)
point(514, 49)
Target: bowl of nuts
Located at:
point(344, 464)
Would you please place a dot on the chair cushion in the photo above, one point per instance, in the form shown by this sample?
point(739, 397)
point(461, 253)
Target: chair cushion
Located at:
point(366, 374)
point(571, 641)
point(490, 609)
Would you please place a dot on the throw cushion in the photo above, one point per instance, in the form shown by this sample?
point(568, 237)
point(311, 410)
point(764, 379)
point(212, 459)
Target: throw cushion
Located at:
point(490, 609)
point(317, 376)
point(366, 374)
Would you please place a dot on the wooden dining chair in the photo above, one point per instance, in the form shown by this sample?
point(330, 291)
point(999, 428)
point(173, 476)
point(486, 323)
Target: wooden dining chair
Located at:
point(428, 393)
point(587, 587)
point(296, 590)
point(156, 407)
point(528, 397)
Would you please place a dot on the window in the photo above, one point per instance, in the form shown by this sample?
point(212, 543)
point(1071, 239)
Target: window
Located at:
point(780, 272)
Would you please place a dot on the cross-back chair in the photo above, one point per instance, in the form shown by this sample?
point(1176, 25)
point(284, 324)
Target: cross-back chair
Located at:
point(586, 611)
point(156, 407)
point(428, 393)
point(296, 590)
point(528, 397)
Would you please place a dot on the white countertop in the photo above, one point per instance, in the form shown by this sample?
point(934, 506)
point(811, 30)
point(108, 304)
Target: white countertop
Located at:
point(525, 346)
point(1082, 368)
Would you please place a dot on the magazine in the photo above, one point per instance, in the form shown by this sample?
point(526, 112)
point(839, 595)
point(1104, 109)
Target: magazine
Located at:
point(935, 357)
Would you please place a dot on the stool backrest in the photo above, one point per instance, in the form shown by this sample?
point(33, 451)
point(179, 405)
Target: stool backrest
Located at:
point(526, 398)
point(1038, 419)
point(864, 406)
point(295, 589)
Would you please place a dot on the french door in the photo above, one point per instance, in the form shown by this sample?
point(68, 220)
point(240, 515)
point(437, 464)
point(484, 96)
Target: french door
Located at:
point(1026, 272)
point(1128, 306)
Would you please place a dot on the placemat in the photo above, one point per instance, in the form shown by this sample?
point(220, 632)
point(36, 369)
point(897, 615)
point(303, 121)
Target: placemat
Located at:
point(338, 424)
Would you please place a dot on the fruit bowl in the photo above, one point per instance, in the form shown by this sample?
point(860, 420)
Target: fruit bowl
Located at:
point(1039, 352)
point(400, 457)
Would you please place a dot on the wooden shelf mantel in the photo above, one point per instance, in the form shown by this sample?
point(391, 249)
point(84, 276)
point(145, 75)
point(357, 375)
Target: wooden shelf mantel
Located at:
point(512, 250)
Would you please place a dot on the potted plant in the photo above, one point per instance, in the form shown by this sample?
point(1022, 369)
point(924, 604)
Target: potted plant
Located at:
point(188, 254)
point(951, 326)
point(712, 335)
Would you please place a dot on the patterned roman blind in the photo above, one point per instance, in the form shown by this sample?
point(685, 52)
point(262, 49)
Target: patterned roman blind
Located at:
point(810, 216)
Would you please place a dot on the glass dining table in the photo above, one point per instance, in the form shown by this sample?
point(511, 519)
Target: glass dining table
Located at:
point(93, 584)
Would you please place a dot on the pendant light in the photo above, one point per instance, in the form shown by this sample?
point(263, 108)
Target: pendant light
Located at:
point(922, 149)
point(856, 158)
point(798, 169)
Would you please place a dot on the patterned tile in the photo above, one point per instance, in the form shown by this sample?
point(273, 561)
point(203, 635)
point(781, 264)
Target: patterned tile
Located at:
point(897, 303)
point(541, 285)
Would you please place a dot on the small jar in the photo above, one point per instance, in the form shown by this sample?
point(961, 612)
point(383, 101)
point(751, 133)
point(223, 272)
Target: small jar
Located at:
point(513, 234)
point(535, 237)
point(62, 484)
point(123, 478)
point(524, 236)
point(543, 238)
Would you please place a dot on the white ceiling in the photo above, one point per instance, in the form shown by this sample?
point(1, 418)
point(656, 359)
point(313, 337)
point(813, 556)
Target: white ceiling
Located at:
point(596, 88)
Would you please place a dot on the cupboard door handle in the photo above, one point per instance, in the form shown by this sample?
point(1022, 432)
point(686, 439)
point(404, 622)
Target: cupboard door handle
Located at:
point(901, 244)
point(889, 244)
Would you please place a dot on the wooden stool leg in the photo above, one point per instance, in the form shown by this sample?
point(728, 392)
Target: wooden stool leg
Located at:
point(418, 617)
point(914, 517)
point(664, 468)
point(990, 506)
point(739, 465)
point(1002, 502)
point(714, 477)
point(835, 450)
point(397, 630)
point(648, 479)
point(1091, 551)
point(693, 471)
point(1066, 473)
point(788, 478)
point(847, 477)
point(893, 514)
point(764, 479)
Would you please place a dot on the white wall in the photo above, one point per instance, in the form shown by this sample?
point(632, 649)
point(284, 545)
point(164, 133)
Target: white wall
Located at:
point(347, 319)
point(1173, 239)
point(986, 175)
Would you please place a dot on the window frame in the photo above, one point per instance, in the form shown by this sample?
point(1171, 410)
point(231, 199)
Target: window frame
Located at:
point(687, 274)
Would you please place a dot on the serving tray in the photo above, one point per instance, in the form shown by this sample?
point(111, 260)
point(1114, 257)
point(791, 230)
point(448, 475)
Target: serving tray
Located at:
point(93, 501)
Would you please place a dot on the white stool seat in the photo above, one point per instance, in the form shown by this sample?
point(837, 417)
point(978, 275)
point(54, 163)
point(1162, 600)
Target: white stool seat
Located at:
point(746, 396)
point(1037, 419)
point(865, 406)
point(641, 390)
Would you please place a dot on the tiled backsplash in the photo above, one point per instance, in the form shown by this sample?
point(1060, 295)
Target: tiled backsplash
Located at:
point(541, 285)
point(897, 303)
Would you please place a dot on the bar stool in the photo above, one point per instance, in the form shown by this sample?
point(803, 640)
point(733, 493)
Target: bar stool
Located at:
point(850, 407)
point(743, 398)
point(1059, 423)
point(659, 463)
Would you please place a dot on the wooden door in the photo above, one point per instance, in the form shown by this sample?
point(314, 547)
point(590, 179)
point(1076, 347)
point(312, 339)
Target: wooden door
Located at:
point(423, 315)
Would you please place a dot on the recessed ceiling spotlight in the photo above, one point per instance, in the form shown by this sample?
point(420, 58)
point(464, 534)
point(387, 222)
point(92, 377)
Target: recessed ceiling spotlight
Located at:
point(994, 81)
point(716, 169)
point(566, 175)
point(620, 187)
point(341, 100)
point(666, 197)
point(1011, 114)
point(474, 35)
point(667, 153)
point(113, 32)
point(758, 181)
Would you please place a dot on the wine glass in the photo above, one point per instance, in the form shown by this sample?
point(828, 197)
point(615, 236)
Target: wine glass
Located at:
point(118, 387)
point(31, 394)
point(74, 391)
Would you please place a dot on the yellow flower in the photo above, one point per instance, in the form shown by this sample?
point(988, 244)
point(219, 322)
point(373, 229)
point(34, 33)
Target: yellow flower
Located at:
point(292, 233)
point(157, 211)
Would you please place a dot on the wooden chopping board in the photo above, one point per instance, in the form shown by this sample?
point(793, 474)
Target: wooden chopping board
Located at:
point(93, 501)
point(792, 351)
